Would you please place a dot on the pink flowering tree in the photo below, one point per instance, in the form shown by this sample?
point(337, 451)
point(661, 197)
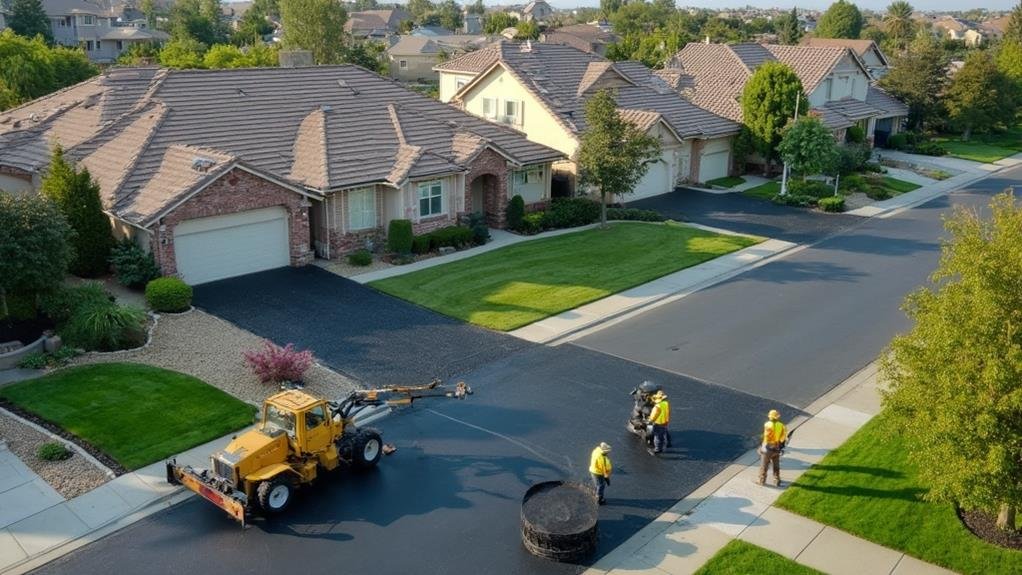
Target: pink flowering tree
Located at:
point(275, 364)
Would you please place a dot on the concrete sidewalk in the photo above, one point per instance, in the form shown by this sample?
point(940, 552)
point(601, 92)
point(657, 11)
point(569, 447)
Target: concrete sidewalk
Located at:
point(659, 290)
point(732, 506)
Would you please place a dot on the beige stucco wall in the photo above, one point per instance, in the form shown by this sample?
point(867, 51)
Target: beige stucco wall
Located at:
point(449, 84)
point(419, 67)
point(847, 80)
point(14, 184)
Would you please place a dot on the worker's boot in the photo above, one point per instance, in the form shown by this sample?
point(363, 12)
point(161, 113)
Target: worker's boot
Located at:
point(777, 481)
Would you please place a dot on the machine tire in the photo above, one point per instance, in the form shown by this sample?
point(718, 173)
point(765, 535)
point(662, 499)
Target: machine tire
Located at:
point(276, 494)
point(367, 448)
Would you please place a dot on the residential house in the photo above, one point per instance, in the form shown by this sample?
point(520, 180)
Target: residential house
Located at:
point(837, 83)
point(96, 29)
point(233, 12)
point(867, 51)
point(953, 28)
point(412, 57)
point(585, 37)
point(535, 11)
point(995, 27)
point(541, 90)
point(431, 31)
point(226, 172)
point(376, 24)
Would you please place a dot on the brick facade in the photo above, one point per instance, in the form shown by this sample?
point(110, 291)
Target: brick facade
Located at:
point(236, 191)
point(495, 188)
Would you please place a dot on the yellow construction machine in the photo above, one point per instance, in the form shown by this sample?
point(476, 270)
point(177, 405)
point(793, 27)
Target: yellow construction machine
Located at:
point(299, 437)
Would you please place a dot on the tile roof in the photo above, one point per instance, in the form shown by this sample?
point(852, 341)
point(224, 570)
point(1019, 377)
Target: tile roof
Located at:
point(884, 101)
point(562, 77)
point(852, 109)
point(130, 33)
point(140, 130)
point(413, 45)
point(860, 47)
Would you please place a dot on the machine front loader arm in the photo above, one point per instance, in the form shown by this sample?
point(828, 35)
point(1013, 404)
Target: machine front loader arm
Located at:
point(397, 395)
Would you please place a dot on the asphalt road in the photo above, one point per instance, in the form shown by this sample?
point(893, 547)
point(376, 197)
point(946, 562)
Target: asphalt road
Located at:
point(378, 339)
point(793, 329)
point(449, 500)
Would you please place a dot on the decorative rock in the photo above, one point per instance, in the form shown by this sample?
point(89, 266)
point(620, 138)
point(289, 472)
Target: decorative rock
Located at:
point(52, 344)
point(444, 250)
point(559, 521)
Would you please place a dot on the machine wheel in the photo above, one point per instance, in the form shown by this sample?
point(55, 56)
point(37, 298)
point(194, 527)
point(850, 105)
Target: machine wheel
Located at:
point(275, 495)
point(367, 448)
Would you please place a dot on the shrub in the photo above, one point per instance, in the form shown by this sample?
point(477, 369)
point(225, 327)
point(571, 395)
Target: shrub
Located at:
point(134, 268)
point(853, 183)
point(36, 360)
point(168, 295)
point(898, 141)
point(515, 212)
point(874, 167)
point(792, 199)
point(77, 195)
point(21, 307)
point(65, 301)
point(634, 214)
point(452, 236)
point(480, 231)
point(572, 212)
point(876, 189)
point(420, 244)
point(930, 149)
point(812, 188)
point(855, 135)
point(34, 247)
point(534, 222)
point(53, 451)
point(832, 204)
point(105, 327)
point(275, 364)
point(360, 258)
point(852, 157)
point(399, 236)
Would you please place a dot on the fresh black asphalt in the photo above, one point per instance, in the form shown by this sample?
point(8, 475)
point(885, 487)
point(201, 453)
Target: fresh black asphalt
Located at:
point(746, 215)
point(793, 329)
point(376, 338)
point(449, 500)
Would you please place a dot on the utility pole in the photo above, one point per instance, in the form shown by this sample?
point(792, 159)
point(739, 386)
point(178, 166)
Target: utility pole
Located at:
point(784, 170)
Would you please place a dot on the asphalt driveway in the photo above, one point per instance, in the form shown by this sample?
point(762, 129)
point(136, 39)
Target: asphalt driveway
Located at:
point(373, 337)
point(449, 499)
point(746, 215)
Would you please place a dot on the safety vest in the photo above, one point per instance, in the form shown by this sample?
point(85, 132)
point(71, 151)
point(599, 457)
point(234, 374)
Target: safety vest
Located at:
point(661, 414)
point(600, 463)
point(774, 433)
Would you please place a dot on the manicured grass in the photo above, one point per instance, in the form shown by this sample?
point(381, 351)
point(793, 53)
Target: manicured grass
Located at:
point(764, 191)
point(984, 148)
point(741, 558)
point(867, 487)
point(726, 182)
point(134, 413)
point(526, 282)
point(896, 186)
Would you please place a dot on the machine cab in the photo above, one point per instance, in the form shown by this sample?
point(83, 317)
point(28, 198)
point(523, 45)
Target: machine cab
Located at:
point(305, 419)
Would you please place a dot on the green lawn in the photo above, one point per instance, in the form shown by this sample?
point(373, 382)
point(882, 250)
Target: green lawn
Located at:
point(764, 191)
point(526, 282)
point(741, 558)
point(896, 186)
point(726, 182)
point(984, 148)
point(867, 487)
point(134, 413)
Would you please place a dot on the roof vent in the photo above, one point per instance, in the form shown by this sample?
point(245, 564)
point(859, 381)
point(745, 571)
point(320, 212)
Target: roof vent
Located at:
point(242, 92)
point(527, 46)
point(325, 107)
point(343, 84)
point(202, 164)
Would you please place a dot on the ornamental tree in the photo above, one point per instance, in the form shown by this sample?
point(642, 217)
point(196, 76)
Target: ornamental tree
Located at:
point(980, 96)
point(316, 26)
point(75, 193)
point(918, 77)
point(613, 154)
point(34, 247)
point(841, 20)
point(789, 29)
point(954, 381)
point(898, 22)
point(808, 146)
point(768, 104)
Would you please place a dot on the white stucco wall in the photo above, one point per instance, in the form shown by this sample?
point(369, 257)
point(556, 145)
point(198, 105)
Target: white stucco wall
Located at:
point(449, 84)
point(14, 185)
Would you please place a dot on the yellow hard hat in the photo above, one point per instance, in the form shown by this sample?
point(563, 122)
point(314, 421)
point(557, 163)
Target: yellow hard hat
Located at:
point(774, 415)
point(659, 395)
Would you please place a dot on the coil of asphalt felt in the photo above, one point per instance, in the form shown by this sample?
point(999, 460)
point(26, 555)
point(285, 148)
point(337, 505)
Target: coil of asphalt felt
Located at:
point(559, 520)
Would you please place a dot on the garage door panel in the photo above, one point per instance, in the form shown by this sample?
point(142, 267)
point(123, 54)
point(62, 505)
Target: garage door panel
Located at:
point(713, 166)
point(209, 249)
point(656, 181)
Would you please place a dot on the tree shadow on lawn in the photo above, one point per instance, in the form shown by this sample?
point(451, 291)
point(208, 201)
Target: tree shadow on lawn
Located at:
point(913, 494)
point(864, 469)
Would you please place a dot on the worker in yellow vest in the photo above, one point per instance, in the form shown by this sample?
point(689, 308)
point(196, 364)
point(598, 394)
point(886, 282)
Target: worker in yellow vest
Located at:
point(600, 468)
point(775, 436)
point(659, 418)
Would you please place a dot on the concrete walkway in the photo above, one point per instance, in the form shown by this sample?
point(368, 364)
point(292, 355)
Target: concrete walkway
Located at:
point(673, 285)
point(732, 506)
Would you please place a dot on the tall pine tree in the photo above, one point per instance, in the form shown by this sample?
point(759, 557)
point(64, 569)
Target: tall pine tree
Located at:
point(789, 30)
point(28, 19)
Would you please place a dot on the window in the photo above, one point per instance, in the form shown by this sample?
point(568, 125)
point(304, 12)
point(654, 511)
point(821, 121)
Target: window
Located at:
point(98, 43)
point(315, 417)
point(361, 208)
point(460, 83)
point(490, 108)
point(403, 64)
point(513, 112)
point(120, 45)
point(276, 419)
point(430, 198)
point(530, 176)
point(86, 20)
point(86, 45)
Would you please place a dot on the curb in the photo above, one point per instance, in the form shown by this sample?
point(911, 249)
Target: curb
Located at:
point(74, 446)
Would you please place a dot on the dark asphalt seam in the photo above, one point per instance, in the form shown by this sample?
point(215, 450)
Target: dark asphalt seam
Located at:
point(507, 438)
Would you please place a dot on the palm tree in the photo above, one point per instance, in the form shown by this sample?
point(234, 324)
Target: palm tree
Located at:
point(898, 21)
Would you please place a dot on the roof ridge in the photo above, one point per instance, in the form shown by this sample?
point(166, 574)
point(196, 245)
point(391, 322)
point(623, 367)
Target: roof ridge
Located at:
point(396, 123)
point(163, 111)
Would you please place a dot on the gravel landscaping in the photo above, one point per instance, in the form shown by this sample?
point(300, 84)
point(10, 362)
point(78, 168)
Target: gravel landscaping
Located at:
point(209, 348)
point(70, 477)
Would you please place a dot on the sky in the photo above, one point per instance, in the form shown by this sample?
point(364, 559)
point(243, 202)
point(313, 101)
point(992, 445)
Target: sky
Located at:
point(817, 4)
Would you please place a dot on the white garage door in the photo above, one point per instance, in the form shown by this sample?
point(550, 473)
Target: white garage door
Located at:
point(220, 247)
point(713, 166)
point(656, 181)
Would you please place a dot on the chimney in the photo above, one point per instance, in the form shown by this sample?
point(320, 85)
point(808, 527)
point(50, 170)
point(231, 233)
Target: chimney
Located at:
point(294, 58)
